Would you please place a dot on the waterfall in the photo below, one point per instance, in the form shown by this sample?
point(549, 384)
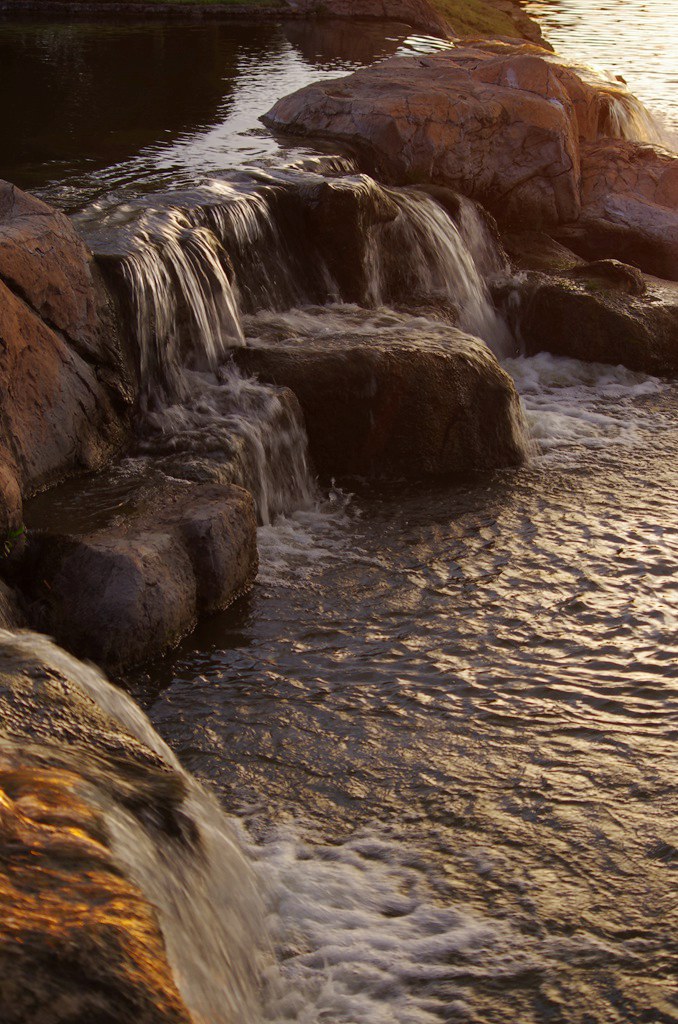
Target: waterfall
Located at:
point(165, 832)
point(196, 268)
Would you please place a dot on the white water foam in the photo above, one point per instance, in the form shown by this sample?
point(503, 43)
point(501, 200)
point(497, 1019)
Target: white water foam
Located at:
point(570, 405)
point(361, 936)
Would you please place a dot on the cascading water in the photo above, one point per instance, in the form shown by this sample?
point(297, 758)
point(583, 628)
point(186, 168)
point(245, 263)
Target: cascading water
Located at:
point(281, 242)
point(165, 833)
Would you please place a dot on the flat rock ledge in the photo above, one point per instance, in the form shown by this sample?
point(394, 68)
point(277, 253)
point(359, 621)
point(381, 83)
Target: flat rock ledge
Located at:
point(508, 126)
point(125, 593)
point(389, 406)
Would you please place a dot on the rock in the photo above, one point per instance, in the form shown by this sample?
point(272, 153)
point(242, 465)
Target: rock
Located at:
point(128, 591)
point(11, 616)
point(119, 875)
point(529, 138)
point(78, 939)
point(500, 128)
point(629, 207)
point(588, 317)
point(418, 13)
point(535, 250)
point(611, 274)
point(363, 393)
point(65, 384)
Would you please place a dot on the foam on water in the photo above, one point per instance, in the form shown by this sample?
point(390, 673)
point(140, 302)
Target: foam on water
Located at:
point(362, 935)
point(571, 405)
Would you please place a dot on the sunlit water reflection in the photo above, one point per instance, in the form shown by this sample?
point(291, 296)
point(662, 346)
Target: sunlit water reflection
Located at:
point(449, 716)
point(637, 39)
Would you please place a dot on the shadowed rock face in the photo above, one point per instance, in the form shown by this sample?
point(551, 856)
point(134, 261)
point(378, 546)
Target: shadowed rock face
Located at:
point(629, 206)
point(433, 404)
point(602, 312)
point(123, 593)
point(64, 382)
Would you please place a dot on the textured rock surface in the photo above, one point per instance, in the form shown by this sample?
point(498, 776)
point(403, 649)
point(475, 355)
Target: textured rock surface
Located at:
point(629, 206)
point(521, 133)
point(79, 941)
point(500, 124)
point(602, 314)
point(434, 405)
point(64, 383)
point(124, 593)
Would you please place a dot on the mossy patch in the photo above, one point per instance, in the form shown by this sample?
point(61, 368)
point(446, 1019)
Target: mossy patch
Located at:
point(475, 17)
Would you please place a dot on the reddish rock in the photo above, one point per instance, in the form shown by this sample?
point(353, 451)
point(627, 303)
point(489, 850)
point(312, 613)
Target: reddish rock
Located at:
point(522, 134)
point(629, 206)
point(64, 382)
point(503, 133)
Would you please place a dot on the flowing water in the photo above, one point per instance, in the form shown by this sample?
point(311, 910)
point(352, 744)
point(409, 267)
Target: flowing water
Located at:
point(636, 39)
point(446, 716)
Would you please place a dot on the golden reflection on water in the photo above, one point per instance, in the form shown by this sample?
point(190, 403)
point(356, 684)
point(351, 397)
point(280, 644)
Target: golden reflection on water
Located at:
point(637, 39)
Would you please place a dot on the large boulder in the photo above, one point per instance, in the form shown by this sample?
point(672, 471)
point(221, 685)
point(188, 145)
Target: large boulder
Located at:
point(119, 877)
point(501, 127)
point(128, 590)
point(65, 385)
point(389, 395)
point(534, 141)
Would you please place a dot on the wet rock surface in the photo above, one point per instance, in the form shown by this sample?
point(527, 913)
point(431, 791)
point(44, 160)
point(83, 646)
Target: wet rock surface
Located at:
point(531, 139)
point(65, 387)
point(129, 590)
point(629, 206)
point(401, 397)
point(602, 312)
point(79, 941)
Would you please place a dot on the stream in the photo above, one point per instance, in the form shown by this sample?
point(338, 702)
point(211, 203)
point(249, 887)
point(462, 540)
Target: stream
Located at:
point(444, 721)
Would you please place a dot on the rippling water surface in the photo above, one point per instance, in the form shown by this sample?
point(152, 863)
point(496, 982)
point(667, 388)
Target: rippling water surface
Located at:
point(637, 39)
point(449, 716)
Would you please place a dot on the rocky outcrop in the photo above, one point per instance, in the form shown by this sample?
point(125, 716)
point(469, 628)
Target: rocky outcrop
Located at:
point(436, 17)
point(629, 206)
point(64, 381)
point(126, 592)
point(455, 119)
point(506, 125)
point(389, 405)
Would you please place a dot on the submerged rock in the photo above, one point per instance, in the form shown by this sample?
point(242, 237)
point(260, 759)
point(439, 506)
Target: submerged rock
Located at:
point(130, 590)
point(385, 394)
point(119, 877)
